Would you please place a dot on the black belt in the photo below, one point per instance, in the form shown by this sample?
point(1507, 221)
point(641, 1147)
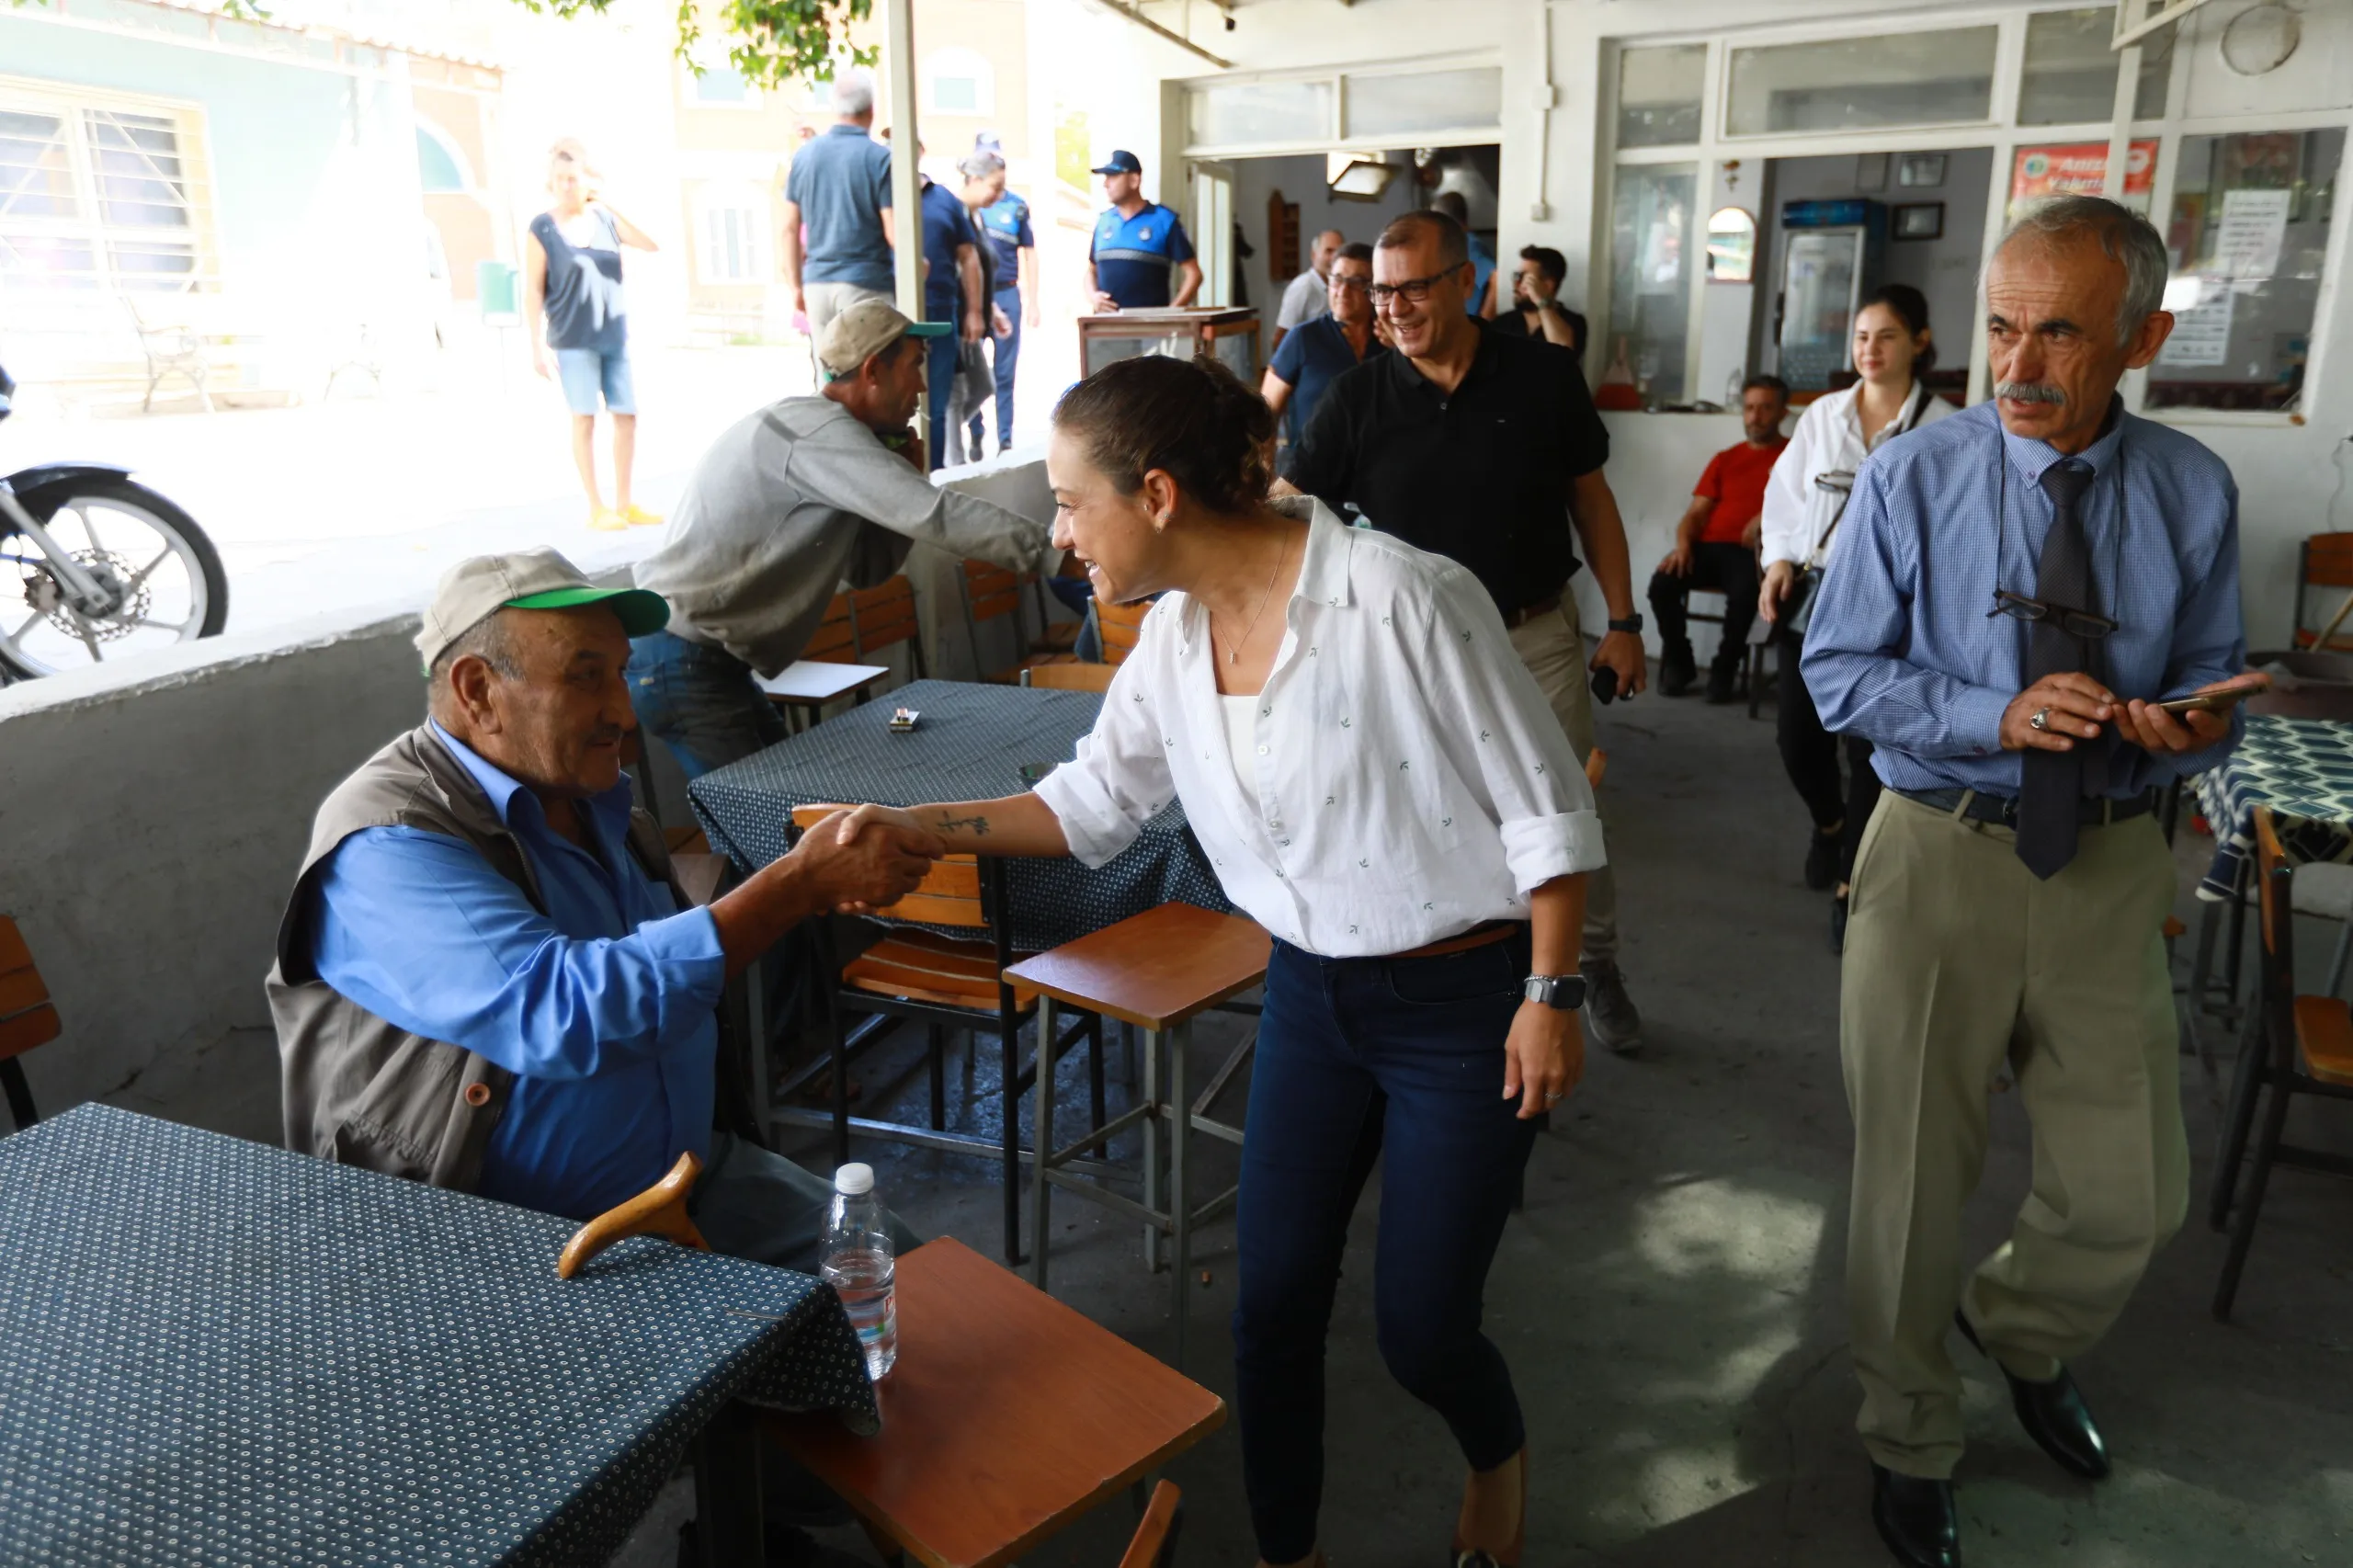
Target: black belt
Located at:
point(1514, 619)
point(2003, 810)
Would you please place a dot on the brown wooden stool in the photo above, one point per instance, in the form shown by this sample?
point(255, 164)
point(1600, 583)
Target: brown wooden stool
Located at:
point(1157, 970)
point(1008, 1416)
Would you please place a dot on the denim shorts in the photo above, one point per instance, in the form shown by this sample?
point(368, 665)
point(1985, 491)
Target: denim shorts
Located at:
point(586, 372)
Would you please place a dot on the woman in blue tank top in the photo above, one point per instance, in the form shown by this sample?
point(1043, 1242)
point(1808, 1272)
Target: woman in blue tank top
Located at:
point(572, 298)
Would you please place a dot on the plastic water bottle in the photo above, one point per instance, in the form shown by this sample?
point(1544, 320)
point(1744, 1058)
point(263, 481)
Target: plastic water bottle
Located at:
point(858, 1265)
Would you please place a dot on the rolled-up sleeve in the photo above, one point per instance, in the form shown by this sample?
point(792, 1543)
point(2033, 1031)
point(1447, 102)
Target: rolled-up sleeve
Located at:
point(1521, 765)
point(419, 930)
point(1120, 776)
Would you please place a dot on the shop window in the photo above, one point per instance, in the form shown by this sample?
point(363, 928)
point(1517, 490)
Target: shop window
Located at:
point(959, 81)
point(439, 169)
point(1262, 112)
point(97, 194)
point(1652, 265)
point(720, 84)
point(2068, 76)
point(1420, 101)
point(733, 238)
point(1659, 92)
point(1857, 84)
point(2247, 236)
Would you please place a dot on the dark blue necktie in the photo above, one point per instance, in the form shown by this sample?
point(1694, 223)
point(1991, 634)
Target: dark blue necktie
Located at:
point(2052, 784)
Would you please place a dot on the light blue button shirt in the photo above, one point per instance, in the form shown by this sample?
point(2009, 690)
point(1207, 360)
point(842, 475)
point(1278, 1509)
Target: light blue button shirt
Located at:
point(1901, 649)
point(603, 1008)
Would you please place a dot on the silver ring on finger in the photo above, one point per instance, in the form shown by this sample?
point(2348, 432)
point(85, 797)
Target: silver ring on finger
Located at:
point(2041, 720)
point(1553, 1096)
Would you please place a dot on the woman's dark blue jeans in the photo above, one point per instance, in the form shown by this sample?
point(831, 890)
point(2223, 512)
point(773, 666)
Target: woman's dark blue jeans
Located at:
point(1340, 1035)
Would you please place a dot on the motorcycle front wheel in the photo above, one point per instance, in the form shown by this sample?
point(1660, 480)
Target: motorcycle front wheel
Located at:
point(163, 578)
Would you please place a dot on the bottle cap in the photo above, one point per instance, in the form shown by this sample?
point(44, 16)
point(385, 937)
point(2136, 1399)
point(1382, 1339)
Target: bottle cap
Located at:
point(854, 1179)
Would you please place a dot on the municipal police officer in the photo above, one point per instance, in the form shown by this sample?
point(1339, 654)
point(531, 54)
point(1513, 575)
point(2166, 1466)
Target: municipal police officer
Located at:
point(1137, 244)
point(1005, 226)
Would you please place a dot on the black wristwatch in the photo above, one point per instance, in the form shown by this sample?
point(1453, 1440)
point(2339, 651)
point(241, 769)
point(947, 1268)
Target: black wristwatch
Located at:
point(1632, 623)
point(1564, 992)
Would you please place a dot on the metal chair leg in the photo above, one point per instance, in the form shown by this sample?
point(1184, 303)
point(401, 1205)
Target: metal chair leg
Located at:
point(1009, 1050)
point(1149, 1089)
point(1180, 1191)
point(20, 1094)
point(2246, 1085)
point(1042, 1189)
point(2250, 1207)
point(1095, 1073)
point(936, 1045)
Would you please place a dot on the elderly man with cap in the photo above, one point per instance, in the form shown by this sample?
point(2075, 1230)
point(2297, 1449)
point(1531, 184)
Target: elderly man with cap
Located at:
point(789, 502)
point(1137, 244)
point(487, 978)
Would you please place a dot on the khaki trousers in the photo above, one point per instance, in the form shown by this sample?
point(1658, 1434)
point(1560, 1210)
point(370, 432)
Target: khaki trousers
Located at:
point(1552, 647)
point(1958, 959)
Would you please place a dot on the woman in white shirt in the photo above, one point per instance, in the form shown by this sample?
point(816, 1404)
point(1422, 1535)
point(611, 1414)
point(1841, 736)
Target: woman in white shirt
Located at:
point(1803, 501)
point(1378, 781)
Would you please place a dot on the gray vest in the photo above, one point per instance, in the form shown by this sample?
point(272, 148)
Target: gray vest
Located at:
point(360, 1090)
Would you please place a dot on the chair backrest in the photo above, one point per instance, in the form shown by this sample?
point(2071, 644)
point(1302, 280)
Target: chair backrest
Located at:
point(885, 617)
point(28, 1017)
point(992, 591)
point(1070, 678)
point(951, 896)
point(1122, 626)
point(1152, 1532)
point(836, 639)
point(2328, 561)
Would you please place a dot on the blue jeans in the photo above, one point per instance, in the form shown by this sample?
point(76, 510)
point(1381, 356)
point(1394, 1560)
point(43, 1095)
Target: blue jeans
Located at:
point(944, 352)
point(1339, 1035)
point(700, 701)
point(1005, 353)
point(585, 373)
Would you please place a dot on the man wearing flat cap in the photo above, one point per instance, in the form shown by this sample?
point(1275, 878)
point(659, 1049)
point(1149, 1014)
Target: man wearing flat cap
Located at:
point(487, 978)
point(789, 502)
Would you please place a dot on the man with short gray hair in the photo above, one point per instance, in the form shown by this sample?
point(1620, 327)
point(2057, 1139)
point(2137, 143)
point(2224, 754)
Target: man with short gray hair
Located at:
point(1308, 296)
point(839, 184)
point(2015, 590)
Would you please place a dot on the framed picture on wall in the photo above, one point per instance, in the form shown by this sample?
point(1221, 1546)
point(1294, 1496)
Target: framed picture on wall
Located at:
point(1919, 221)
point(1920, 170)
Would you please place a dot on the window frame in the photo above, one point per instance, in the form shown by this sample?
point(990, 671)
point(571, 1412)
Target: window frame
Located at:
point(713, 198)
point(2003, 134)
point(1337, 77)
point(193, 149)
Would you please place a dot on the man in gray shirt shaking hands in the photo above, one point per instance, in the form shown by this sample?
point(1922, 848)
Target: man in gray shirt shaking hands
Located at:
point(790, 501)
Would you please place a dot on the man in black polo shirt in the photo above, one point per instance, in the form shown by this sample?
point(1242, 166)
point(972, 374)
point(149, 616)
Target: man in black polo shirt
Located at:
point(1485, 447)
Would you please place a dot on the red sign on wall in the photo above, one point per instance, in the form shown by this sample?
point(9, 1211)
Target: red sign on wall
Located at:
point(2080, 168)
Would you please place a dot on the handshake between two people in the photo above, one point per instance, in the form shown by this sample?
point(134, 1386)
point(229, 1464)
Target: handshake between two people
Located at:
point(867, 858)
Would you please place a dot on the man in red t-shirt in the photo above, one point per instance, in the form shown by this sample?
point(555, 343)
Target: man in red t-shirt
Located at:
point(1715, 545)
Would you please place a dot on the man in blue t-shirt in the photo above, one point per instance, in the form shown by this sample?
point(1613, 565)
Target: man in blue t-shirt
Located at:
point(952, 292)
point(1004, 225)
point(1314, 352)
point(839, 188)
point(1137, 243)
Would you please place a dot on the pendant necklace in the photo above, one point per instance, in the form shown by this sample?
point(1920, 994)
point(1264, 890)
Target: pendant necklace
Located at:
point(1233, 650)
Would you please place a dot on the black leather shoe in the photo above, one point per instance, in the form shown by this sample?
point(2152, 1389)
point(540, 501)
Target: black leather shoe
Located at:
point(2054, 1415)
point(1915, 1517)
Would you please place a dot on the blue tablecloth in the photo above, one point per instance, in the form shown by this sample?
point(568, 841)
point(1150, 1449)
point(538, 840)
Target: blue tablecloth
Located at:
point(970, 746)
point(214, 1351)
point(2302, 769)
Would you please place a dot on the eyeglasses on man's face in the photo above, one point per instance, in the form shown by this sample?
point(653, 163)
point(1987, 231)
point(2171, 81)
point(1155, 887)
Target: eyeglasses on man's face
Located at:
point(1414, 290)
point(1346, 284)
point(2074, 622)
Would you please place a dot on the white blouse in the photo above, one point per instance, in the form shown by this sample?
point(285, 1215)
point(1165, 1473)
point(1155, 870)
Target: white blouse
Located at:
point(1411, 781)
point(1798, 515)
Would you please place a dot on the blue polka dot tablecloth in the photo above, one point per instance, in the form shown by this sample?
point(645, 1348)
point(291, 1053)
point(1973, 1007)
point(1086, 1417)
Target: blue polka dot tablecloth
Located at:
point(970, 746)
point(217, 1352)
point(2302, 769)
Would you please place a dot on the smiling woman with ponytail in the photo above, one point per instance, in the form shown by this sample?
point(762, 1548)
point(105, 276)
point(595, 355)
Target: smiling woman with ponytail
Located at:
point(1379, 783)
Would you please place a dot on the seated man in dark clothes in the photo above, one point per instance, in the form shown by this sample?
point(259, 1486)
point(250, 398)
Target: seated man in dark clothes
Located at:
point(1715, 545)
point(1534, 308)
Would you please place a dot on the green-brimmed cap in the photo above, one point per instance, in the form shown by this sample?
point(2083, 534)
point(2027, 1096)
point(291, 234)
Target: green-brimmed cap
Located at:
point(526, 579)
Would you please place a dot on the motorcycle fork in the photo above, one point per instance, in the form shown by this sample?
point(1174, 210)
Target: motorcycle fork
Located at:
point(81, 589)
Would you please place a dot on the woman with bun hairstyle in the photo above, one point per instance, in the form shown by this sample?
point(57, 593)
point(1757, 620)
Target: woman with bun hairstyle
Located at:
point(1803, 501)
point(1376, 780)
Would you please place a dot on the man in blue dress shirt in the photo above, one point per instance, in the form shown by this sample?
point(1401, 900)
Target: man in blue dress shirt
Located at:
point(1136, 245)
point(2012, 591)
point(487, 978)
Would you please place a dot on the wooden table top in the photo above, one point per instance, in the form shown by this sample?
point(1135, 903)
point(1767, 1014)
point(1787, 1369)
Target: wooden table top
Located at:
point(1008, 1416)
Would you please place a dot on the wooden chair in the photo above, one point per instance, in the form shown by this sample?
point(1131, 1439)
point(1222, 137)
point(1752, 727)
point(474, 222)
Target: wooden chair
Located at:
point(993, 593)
point(1008, 1417)
point(830, 668)
point(944, 983)
point(1157, 970)
point(2294, 1045)
point(1121, 626)
point(2323, 561)
point(885, 617)
point(28, 1018)
point(1070, 678)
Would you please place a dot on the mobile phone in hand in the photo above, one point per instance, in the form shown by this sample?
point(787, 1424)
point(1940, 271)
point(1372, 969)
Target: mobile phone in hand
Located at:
point(2218, 701)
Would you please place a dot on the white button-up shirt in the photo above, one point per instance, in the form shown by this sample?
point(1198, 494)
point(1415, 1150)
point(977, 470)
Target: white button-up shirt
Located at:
point(1411, 782)
point(1799, 516)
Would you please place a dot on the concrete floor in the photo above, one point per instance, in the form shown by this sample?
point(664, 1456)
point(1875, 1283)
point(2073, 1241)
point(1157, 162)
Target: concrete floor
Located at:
point(1670, 1301)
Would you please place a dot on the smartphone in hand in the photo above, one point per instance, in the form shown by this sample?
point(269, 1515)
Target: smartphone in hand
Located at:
point(2219, 701)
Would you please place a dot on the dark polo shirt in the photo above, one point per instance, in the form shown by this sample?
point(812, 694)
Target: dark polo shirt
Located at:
point(1482, 475)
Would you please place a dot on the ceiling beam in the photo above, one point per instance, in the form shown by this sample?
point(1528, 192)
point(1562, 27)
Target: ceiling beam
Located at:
point(1134, 13)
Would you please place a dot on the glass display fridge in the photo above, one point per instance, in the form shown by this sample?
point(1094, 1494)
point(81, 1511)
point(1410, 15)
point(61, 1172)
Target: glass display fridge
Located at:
point(1230, 333)
point(1831, 254)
